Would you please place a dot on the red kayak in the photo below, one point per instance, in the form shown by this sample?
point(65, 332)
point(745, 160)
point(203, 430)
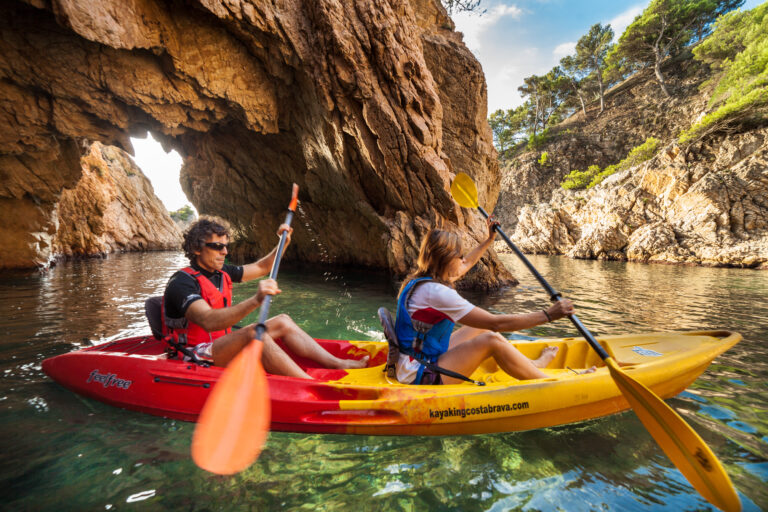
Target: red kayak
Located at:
point(136, 373)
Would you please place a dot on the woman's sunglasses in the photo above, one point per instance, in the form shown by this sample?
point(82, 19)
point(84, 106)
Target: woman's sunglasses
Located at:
point(217, 246)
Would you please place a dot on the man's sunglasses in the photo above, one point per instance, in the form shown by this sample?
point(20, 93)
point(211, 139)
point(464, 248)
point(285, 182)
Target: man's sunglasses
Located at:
point(217, 246)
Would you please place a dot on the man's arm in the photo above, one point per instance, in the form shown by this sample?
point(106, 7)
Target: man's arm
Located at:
point(264, 265)
point(210, 319)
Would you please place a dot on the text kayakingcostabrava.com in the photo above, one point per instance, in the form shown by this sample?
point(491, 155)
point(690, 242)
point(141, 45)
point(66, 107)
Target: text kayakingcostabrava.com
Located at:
point(471, 411)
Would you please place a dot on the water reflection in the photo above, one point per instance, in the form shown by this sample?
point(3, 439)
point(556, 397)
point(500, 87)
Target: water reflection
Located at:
point(59, 448)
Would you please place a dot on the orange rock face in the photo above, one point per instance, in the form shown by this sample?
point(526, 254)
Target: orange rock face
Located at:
point(113, 208)
point(371, 107)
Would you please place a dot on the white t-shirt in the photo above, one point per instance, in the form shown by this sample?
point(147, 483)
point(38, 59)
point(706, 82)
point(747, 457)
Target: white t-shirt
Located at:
point(431, 302)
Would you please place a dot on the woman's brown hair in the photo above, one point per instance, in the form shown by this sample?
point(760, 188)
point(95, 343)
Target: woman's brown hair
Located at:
point(438, 248)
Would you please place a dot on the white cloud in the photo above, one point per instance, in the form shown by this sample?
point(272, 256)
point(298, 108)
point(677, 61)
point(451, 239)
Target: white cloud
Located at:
point(504, 80)
point(620, 23)
point(474, 25)
point(564, 49)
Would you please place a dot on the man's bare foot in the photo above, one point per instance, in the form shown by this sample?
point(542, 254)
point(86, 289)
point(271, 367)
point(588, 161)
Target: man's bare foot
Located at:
point(353, 364)
point(546, 357)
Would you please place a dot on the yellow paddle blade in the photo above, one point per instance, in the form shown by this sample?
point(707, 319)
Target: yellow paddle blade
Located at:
point(464, 191)
point(234, 422)
point(679, 441)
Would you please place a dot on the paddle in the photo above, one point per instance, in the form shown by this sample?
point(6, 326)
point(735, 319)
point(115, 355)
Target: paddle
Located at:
point(679, 441)
point(234, 422)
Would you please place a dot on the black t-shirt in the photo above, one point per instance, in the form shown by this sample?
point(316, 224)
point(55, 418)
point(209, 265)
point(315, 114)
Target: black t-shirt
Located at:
point(183, 289)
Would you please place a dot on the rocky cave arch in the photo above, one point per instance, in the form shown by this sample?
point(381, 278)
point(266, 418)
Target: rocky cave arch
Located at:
point(371, 107)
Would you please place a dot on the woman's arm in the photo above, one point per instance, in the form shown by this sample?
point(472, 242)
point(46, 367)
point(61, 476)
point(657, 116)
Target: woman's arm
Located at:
point(475, 254)
point(482, 319)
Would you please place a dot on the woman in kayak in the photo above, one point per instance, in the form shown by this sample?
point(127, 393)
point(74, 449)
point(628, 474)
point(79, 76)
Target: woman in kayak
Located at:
point(428, 307)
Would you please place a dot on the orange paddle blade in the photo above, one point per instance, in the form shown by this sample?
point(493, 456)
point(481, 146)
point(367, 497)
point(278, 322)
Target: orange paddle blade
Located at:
point(679, 441)
point(294, 198)
point(234, 422)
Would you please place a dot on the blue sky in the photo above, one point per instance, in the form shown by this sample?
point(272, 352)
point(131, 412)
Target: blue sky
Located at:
point(516, 39)
point(512, 40)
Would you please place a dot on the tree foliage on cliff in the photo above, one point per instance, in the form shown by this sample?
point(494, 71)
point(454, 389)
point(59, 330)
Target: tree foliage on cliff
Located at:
point(508, 127)
point(183, 214)
point(738, 51)
point(664, 28)
point(555, 95)
point(545, 96)
point(591, 52)
point(593, 176)
point(456, 6)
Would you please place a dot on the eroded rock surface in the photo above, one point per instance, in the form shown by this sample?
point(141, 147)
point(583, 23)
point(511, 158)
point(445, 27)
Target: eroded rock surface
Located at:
point(711, 209)
point(113, 208)
point(371, 107)
point(705, 204)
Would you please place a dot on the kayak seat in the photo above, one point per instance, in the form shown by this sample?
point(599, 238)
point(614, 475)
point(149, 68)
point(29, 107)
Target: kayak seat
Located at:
point(394, 346)
point(153, 312)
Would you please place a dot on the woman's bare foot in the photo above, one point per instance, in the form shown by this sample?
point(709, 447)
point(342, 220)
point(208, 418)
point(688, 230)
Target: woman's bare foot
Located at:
point(546, 357)
point(353, 364)
point(583, 372)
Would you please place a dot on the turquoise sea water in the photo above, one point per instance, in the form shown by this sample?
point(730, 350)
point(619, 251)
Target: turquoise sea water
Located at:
point(59, 451)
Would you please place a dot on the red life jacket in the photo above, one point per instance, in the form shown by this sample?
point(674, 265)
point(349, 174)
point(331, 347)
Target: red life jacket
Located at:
point(215, 298)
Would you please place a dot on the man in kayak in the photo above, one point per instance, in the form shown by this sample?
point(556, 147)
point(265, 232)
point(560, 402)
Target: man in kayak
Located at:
point(428, 307)
point(198, 303)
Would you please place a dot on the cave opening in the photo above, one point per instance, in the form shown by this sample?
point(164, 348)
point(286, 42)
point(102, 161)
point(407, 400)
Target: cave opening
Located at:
point(162, 168)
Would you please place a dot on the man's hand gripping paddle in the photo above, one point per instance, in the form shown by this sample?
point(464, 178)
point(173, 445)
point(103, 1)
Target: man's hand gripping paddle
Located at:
point(679, 441)
point(234, 422)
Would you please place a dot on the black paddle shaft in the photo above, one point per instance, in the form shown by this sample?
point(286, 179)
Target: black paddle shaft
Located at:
point(264, 311)
point(553, 295)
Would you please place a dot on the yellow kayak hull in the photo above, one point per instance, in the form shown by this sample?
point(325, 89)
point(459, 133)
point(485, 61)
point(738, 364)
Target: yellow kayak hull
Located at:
point(667, 363)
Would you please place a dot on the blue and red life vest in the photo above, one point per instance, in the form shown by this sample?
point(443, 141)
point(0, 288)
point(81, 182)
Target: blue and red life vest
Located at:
point(426, 335)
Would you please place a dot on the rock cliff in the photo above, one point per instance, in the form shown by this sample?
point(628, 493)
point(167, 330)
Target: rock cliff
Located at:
point(704, 204)
point(112, 208)
point(359, 102)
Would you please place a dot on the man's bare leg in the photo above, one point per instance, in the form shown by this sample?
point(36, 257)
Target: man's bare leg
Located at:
point(274, 359)
point(302, 344)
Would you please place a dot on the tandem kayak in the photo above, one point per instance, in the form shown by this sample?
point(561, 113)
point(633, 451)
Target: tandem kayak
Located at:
point(135, 373)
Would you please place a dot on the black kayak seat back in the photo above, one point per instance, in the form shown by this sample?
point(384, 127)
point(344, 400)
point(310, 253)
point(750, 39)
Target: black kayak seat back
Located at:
point(394, 346)
point(153, 311)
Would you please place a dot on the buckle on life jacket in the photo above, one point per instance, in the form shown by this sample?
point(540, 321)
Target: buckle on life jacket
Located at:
point(177, 343)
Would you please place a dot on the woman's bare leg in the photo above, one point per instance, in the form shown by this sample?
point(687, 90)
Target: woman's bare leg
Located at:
point(302, 344)
point(467, 356)
point(465, 334)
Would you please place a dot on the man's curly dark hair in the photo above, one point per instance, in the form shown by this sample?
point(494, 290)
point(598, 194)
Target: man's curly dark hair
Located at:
point(196, 235)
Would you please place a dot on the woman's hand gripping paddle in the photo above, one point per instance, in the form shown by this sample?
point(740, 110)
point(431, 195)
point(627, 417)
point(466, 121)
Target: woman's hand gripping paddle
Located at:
point(234, 422)
point(679, 441)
